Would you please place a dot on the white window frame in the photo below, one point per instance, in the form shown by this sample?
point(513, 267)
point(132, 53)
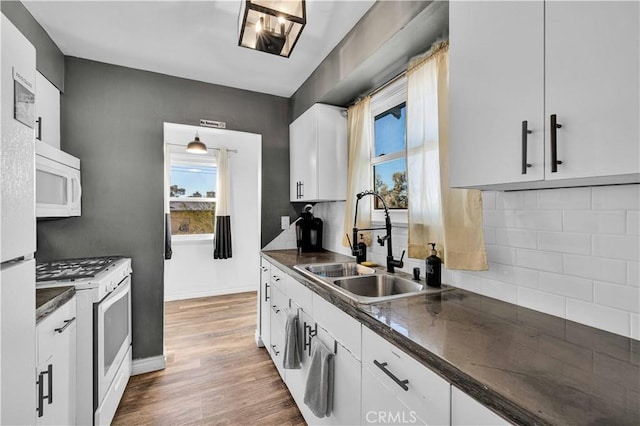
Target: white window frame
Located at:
point(191, 160)
point(392, 95)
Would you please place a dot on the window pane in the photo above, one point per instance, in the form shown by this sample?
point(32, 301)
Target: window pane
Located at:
point(193, 181)
point(389, 130)
point(391, 183)
point(192, 217)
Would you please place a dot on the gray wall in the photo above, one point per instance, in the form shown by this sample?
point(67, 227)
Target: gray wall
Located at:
point(112, 120)
point(49, 59)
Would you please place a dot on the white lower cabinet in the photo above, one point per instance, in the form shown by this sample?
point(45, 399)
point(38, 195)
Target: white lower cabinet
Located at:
point(279, 312)
point(467, 411)
point(405, 380)
point(56, 371)
point(263, 327)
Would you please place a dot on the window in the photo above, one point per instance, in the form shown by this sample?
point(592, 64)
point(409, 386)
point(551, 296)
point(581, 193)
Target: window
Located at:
point(192, 196)
point(389, 150)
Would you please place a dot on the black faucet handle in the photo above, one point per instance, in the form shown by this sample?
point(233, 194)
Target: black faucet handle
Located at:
point(402, 256)
point(380, 241)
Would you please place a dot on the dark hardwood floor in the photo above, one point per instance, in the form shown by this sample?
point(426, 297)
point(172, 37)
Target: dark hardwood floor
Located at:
point(215, 374)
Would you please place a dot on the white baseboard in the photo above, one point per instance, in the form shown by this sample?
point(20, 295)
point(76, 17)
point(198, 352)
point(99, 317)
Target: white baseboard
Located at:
point(147, 365)
point(207, 293)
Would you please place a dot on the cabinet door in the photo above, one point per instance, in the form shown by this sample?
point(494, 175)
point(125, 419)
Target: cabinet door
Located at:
point(297, 378)
point(413, 384)
point(47, 111)
point(332, 153)
point(592, 85)
point(56, 370)
point(380, 406)
point(496, 83)
point(469, 412)
point(264, 325)
point(303, 155)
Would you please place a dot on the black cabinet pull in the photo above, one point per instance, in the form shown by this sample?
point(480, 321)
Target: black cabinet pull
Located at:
point(275, 308)
point(67, 323)
point(277, 352)
point(40, 408)
point(39, 135)
point(554, 143)
point(301, 189)
point(311, 332)
point(383, 366)
point(525, 133)
point(266, 295)
point(50, 387)
point(41, 395)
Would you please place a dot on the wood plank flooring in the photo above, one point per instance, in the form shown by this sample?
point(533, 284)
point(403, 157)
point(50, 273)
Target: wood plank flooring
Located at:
point(215, 374)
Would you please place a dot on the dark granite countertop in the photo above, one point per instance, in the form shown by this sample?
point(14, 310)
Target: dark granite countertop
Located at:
point(530, 367)
point(50, 299)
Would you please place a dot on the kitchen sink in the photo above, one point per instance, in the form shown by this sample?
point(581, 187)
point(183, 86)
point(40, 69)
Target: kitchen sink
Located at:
point(364, 285)
point(335, 270)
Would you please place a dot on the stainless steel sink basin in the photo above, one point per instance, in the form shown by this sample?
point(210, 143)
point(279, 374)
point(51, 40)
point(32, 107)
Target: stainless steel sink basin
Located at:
point(379, 285)
point(363, 285)
point(335, 270)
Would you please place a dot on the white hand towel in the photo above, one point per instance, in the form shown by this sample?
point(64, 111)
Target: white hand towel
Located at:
point(291, 358)
point(318, 394)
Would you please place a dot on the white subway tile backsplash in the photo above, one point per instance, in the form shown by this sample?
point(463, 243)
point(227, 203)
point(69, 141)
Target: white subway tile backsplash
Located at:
point(623, 197)
point(633, 274)
point(595, 268)
point(635, 326)
point(540, 260)
point(517, 200)
point(633, 222)
point(602, 317)
point(616, 246)
point(488, 287)
point(499, 218)
point(516, 238)
point(499, 254)
point(564, 285)
point(565, 242)
point(617, 296)
point(564, 199)
point(541, 301)
point(489, 235)
point(516, 275)
point(540, 220)
point(594, 221)
point(488, 200)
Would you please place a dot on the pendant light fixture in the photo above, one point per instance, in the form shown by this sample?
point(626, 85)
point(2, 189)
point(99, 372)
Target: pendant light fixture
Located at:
point(196, 147)
point(272, 26)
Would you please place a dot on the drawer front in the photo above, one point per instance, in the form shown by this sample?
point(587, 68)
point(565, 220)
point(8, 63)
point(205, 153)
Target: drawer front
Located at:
point(300, 294)
point(342, 327)
point(278, 279)
point(279, 304)
point(424, 391)
point(380, 407)
point(276, 347)
point(46, 328)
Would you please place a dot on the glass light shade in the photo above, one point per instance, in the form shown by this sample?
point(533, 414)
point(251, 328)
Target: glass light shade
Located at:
point(272, 26)
point(196, 147)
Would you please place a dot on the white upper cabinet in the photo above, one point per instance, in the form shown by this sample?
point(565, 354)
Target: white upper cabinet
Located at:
point(318, 154)
point(47, 111)
point(516, 66)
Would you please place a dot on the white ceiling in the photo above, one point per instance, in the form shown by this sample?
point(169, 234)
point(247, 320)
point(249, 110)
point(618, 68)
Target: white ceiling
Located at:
point(197, 40)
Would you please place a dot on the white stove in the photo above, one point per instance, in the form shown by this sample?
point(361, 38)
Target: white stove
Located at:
point(103, 349)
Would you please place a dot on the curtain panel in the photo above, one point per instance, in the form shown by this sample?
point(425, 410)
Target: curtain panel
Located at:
point(359, 134)
point(222, 230)
point(449, 217)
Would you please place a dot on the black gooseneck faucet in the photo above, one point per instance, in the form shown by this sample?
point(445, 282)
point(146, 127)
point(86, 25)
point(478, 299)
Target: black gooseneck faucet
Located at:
point(391, 262)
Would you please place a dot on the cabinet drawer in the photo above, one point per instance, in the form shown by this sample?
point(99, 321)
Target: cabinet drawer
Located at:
point(276, 349)
point(279, 304)
point(300, 294)
point(426, 393)
point(341, 326)
point(278, 279)
point(46, 329)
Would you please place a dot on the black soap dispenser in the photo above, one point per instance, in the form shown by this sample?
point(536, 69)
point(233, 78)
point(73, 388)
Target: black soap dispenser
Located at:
point(434, 266)
point(362, 250)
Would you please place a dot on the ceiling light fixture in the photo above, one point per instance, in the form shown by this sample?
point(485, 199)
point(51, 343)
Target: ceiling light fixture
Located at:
point(196, 147)
point(272, 26)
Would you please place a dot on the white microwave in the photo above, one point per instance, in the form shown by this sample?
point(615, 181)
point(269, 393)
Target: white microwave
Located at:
point(58, 185)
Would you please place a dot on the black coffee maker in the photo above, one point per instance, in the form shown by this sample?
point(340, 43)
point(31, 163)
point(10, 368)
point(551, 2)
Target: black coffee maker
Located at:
point(309, 231)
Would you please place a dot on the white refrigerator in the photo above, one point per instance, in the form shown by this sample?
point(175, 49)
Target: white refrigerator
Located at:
point(17, 228)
